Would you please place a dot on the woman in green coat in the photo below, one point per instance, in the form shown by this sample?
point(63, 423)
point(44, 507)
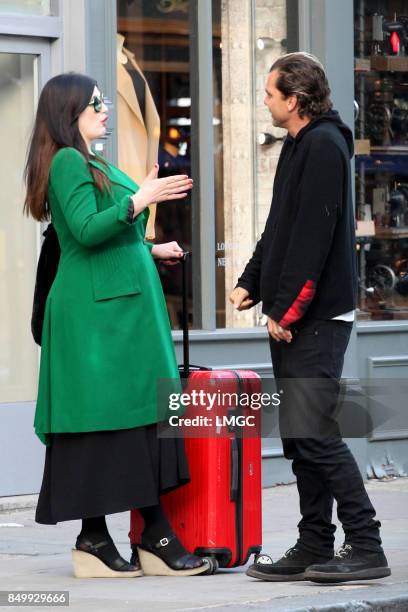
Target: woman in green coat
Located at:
point(106, 340)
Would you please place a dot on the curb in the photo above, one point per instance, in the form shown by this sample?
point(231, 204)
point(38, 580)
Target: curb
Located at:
point(388, 604)
point(394, 604)
point(18, 502)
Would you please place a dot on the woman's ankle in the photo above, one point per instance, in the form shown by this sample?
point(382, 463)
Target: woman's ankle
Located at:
point(156, 524)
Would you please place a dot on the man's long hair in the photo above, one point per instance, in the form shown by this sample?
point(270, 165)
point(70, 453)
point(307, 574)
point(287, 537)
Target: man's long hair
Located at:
point(62, 100)
point(302, 75)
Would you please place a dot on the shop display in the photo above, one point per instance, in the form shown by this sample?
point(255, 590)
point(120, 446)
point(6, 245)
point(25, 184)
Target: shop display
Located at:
point(381, 92)
point(389, 37)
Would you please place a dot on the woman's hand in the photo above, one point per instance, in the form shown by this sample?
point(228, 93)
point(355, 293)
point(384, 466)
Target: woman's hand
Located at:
point(154, 189)
point(168, 253)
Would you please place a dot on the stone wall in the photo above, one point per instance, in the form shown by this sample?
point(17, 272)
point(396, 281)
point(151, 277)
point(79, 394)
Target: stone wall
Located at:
point(270, 21)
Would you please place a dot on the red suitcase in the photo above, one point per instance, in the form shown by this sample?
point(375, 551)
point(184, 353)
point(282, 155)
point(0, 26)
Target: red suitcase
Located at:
point(218, 513)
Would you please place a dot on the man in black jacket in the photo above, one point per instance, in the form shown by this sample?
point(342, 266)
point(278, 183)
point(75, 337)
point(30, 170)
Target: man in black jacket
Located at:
point(303, 270)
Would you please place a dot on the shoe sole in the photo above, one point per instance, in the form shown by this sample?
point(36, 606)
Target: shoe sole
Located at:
point(368, 574)
point(152, 565)
point(89, 566)
point(275, 577)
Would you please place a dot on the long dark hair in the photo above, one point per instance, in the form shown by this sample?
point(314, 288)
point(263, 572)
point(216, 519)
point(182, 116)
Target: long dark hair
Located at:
point(62, 100)
point(302, 75)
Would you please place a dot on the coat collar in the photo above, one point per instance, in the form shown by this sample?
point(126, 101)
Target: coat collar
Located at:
point(114, 174)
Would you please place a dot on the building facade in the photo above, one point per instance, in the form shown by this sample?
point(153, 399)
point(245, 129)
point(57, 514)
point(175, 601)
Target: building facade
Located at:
point(206, 65)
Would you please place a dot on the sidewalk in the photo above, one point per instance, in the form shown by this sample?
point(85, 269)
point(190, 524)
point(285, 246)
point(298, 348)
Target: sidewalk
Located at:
point(37, 557)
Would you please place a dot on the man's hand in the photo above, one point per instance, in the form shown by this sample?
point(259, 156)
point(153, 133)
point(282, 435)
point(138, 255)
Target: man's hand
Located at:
point(277, 332)
point(240, 298)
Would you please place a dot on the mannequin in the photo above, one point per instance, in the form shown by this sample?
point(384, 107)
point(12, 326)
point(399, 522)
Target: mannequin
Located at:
point(138, 123)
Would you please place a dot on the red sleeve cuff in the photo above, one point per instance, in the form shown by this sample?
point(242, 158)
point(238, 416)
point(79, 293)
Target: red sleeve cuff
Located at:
point(300, 305)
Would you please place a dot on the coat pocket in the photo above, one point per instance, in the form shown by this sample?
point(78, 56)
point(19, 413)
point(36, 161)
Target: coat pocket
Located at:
point(114, 273)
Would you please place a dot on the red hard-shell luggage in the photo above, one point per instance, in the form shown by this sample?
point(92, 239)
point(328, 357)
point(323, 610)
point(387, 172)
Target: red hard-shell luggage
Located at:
point(218, 513)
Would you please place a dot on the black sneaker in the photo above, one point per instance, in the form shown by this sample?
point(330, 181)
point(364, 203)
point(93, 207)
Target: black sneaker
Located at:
point(289, 568)
point(350, 563)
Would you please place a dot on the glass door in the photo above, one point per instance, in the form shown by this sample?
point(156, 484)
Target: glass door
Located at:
point(24, 66)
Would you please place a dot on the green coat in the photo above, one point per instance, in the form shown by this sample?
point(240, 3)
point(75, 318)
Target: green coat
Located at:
point(106, 336)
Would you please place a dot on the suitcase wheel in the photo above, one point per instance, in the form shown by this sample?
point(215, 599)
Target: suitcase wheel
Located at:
point(213, 565)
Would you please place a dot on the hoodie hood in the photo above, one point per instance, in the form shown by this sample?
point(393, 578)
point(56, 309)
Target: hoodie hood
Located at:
point(332, 117)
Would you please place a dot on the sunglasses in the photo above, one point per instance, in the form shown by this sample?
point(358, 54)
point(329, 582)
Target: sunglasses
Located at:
point(97, 102)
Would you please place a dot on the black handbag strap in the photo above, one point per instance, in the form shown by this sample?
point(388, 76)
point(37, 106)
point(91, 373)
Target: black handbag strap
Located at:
point(46, 271)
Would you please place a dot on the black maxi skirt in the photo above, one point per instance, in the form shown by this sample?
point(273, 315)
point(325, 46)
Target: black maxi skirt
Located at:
point(103, 472)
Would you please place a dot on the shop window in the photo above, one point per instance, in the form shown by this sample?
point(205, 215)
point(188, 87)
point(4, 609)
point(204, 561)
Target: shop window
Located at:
point(26, 7)
point(253, 36)
point(161, 38)
point(154, 76)
point(381, 93)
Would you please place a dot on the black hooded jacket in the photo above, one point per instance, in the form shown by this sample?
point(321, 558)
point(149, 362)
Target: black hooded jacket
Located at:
point(304, 264)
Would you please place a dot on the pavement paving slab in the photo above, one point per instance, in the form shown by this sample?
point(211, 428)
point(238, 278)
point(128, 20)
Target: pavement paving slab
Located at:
point(38, 557)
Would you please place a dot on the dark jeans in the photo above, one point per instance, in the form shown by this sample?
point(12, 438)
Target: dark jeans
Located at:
point(323, 465)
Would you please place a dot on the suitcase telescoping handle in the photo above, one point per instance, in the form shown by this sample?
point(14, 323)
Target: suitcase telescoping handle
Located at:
point(187, 367)
point(186, 353)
